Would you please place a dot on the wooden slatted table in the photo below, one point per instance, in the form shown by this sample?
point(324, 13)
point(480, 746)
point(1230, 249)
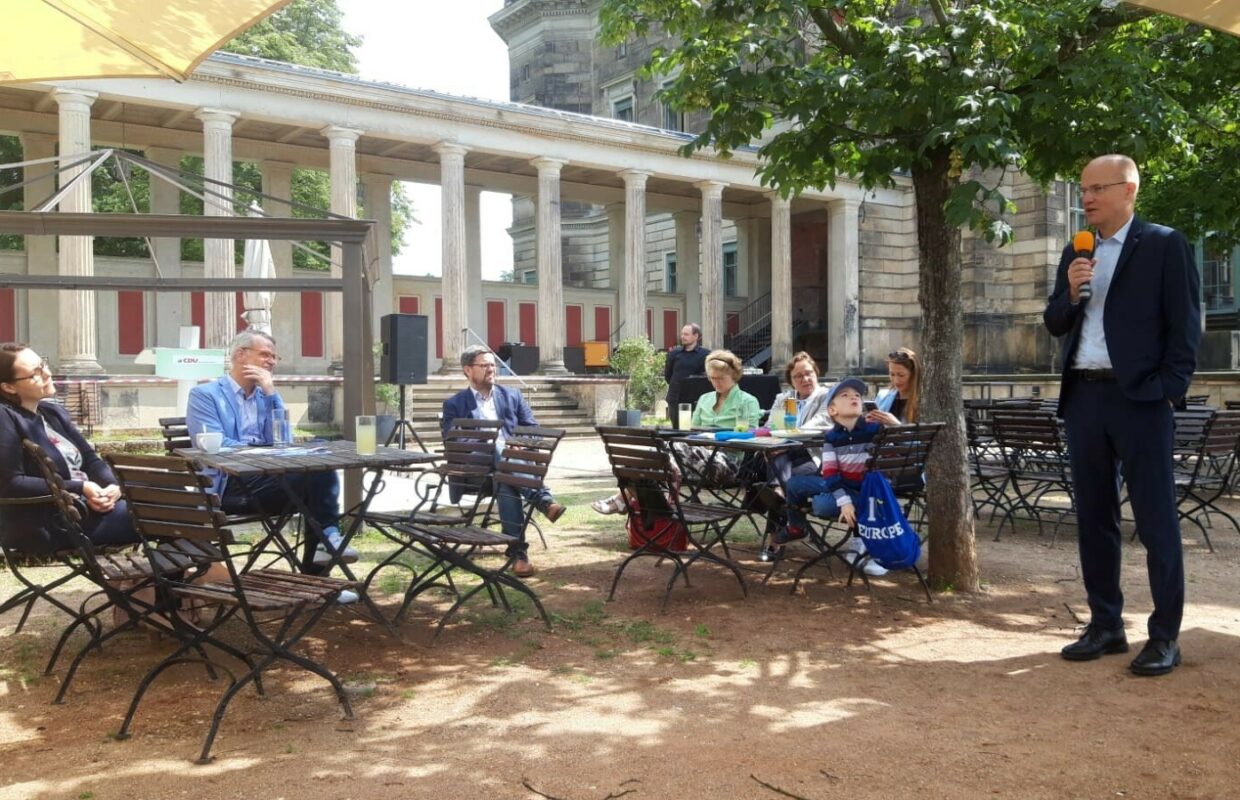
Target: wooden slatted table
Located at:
point(249, 462)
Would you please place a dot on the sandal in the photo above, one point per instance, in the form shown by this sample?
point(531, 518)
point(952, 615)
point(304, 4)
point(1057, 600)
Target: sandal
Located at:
point(609, 505)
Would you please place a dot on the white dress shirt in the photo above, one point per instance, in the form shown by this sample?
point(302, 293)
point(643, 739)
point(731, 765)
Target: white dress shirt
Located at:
point(1091, 348)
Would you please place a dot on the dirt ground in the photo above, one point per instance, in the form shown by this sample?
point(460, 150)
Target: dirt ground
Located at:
point(829, 692)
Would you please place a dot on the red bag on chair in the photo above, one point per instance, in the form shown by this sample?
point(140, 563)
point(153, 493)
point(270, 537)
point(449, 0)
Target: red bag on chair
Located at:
point(666, 533)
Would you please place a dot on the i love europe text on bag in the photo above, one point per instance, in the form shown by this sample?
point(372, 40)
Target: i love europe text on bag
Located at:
point(881, 524)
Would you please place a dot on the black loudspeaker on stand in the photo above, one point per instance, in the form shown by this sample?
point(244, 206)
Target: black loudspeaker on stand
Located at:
point(402, 361)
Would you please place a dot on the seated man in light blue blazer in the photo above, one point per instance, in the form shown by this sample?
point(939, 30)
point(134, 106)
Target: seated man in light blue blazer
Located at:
point(238, 405)
point(486, 399)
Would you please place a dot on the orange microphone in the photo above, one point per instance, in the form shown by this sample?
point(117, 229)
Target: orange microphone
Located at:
point(1083, 244)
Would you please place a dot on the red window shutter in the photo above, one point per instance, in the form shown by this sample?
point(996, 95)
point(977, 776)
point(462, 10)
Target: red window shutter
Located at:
point(241, 323)
point(650, 325)
point(497, 323)
point(198, 315)
point(312, 324)
point(671, 331)
point(527, 318)
point(438, 327)
point(130, 323)
point(602, 323)
point(8, 315)
point(572, 323)
point(410, 304)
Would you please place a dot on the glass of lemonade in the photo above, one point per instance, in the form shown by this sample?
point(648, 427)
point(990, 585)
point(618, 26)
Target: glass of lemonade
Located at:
point(685, 419)
point(364, 435)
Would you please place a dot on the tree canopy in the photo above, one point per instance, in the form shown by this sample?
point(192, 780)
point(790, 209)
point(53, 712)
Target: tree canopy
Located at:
point(306, 32)
point(954, 94)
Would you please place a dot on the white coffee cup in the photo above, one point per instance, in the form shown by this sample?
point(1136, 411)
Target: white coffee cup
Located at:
point(209, 442)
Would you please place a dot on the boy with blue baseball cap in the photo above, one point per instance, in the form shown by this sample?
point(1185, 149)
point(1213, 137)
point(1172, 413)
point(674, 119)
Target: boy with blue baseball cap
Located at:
point(846, 448)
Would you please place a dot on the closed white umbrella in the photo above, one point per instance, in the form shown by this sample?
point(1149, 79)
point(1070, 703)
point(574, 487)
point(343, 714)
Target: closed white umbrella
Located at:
point(258, 264)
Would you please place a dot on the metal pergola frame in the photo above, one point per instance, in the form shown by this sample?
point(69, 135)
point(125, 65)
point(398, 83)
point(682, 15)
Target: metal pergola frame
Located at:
point(349, 234)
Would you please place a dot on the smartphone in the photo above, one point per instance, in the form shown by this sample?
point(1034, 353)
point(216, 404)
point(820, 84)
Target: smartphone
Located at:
point(868, 405)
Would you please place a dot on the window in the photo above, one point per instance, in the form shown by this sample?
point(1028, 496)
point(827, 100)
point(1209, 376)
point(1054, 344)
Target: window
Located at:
point(673, 120)
point(669, 272)
point(525, 72)
point(729, 269)
point(622, 50)
point(1216, 276)
point(622, 108)
point(1076, 210)
point(529, 276)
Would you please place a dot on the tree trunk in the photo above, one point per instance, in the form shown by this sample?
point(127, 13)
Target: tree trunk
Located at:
point(953, 555)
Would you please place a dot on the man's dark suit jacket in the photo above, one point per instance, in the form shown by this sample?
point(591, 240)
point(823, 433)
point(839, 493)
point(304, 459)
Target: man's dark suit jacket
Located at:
point(1152, 316)
point(510, 407)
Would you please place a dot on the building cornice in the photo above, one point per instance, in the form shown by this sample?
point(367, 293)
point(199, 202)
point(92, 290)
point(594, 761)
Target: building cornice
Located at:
point(514, 17)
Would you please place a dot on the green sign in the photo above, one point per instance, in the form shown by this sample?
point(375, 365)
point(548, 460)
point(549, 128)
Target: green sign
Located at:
point(185, 365)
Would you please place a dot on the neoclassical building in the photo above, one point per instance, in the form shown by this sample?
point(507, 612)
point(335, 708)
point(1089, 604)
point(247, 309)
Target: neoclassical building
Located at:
point(367, 135)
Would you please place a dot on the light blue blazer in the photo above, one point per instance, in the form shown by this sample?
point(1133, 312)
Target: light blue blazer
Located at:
point(213, 407)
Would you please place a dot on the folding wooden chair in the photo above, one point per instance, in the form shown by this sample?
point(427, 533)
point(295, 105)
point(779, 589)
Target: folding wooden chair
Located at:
point(523, 466)
point(642, 465)
point(170, 501)
point(120, 575)
point(1036, 452)
point(1205, 473)
point(900, 454)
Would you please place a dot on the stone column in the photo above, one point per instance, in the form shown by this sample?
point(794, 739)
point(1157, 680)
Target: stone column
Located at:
point(781, 279)
point(219, 258)
point(171, 308)
point(615, 259)
point(551, 334)
point(78, 352)
point(688, 276)
point(285, 306)
point(342, 154)
point(713, 326)
point(378, 193)
point(475, 311)
point(843, 285)
point(452, 184)
point(41, 305)
point(633, 309)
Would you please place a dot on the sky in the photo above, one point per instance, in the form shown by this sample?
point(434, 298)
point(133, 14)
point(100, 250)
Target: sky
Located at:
point(448, 47)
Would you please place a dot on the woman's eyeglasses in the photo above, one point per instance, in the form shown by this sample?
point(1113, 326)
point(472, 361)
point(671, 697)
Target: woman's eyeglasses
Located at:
point(900, 357)
point(39, 373)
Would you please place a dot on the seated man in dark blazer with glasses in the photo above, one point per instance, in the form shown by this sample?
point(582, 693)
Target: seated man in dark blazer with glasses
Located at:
point(1129, 350)
point(486, 399)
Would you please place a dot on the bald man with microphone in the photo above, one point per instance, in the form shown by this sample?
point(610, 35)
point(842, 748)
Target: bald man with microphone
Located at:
point(1126, 306)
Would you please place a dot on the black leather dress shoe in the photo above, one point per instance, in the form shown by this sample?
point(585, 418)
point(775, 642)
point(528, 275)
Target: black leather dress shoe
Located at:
point(1158, 657)
point(1095, 643)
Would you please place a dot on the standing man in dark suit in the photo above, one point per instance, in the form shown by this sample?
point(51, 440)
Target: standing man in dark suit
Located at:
point(486, 399)
point(682, 362)
point(1129, 351)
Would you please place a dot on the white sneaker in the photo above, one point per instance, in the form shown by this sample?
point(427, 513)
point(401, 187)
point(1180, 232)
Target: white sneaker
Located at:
point(346, 597)
point(322, 558)
point(871, 567)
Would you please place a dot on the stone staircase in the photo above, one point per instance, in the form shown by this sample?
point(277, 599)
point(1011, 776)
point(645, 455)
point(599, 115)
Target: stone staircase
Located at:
point(551, 407)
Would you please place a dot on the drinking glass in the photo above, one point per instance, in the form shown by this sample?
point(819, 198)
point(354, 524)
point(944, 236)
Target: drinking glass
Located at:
point(685, 420)
point(364, 435)
point(281, 430)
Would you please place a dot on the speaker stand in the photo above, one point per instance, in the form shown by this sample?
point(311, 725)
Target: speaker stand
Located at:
point(404, 426)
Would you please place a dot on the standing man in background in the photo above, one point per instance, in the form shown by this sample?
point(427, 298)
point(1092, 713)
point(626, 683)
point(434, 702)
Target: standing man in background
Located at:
point(682, 362)
point(1129, 350)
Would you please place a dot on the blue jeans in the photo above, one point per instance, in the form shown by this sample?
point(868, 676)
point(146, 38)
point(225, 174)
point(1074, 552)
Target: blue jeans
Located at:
point(813, 488)
point(266, 494)
point(511, 516)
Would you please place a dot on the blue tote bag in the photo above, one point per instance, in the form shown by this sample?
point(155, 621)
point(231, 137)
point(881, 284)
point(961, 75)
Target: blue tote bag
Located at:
point(881, 524)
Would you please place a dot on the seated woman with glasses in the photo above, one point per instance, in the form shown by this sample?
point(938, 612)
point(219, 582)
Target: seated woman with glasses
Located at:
point(726, 407)
point(897, 404)
point(28, 412)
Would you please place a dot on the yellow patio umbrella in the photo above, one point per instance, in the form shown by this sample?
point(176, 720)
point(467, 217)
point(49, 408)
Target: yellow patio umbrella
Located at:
point(66, 39)
point(1221, 14)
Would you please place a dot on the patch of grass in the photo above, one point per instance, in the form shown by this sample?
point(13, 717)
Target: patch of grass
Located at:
point(665, 651)
point(642, 631)
point(605, 655)
point(701, 631)
point(408, 694)
point(747, 663)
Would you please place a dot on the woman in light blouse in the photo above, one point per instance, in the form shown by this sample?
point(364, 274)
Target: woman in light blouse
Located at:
point(898, 403)
point(728, 403)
